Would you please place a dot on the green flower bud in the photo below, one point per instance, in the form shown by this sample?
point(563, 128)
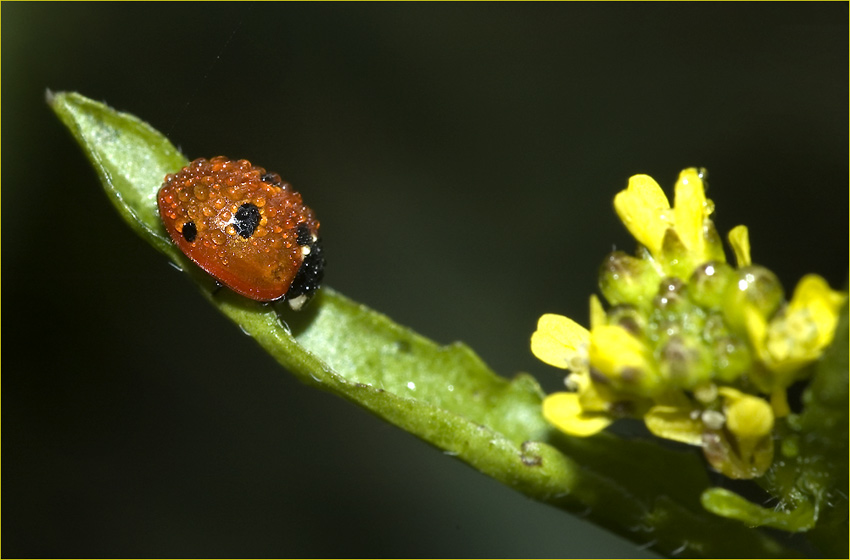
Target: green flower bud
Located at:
point(625, 279)
point(715, 327)
point(671, 296)
point(732, 358)
point(707, 285)
point(628, 317)
point(673, 312)
point(753, 286)
point(684, 362)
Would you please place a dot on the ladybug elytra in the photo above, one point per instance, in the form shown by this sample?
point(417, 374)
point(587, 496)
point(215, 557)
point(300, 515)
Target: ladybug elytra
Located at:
point(245, 227)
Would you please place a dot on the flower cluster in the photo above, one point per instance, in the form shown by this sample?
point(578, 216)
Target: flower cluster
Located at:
point(701, 350)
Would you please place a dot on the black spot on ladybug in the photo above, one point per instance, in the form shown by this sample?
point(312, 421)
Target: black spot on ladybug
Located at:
point(190, 231)
point(246, 220)
point(271, 178)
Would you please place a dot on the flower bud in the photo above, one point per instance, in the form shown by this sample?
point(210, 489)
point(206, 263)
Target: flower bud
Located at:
point(671, 295)
point(715, 327)
point(673, 313)
point(753, 287)
point(707, 285)
point(684, 362)
point(732, 358)
point(623, 360)
point(625, 279)
point(628, 317)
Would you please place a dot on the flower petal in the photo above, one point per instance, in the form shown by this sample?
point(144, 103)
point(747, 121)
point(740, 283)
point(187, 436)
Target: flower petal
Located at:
point(690, 211)
point(594, 397)
point(597, 312)
point(799, 334)
point(756, 326)
point(559, 341)
point(725, 454)
point(745, 448)
point(674, 423)
point(644, 210)
point(564, 411)
point(739, 238)
point(823, 304)
point(614, 350)
point(748, 417)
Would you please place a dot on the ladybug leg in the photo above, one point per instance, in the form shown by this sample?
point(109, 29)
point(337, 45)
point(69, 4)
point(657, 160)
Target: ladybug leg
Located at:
point(217, 288)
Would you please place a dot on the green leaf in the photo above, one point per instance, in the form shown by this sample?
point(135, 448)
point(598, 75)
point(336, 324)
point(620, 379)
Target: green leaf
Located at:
point(443, 394)
point(130, 157)
point(729, 504)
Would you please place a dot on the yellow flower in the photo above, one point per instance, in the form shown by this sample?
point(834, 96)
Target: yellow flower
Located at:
point(615, 354)
point(800, 333)
point(796, 336)
point(685, 333)
point(645, 211)
point(622, 358)
point(748, 418)
point(561, 342)
point(675, 423)
point(678, 238)
point(691, 212)
point(566, 413)
point(736, 438)
point(745, 448)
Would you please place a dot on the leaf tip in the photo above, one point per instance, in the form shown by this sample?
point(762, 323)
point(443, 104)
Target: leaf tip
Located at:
point(55, 99)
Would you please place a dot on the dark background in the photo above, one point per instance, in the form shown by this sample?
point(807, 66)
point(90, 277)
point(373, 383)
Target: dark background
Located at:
point(462, 159)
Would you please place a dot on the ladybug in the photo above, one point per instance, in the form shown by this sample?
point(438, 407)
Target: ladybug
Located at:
point(246, 228)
